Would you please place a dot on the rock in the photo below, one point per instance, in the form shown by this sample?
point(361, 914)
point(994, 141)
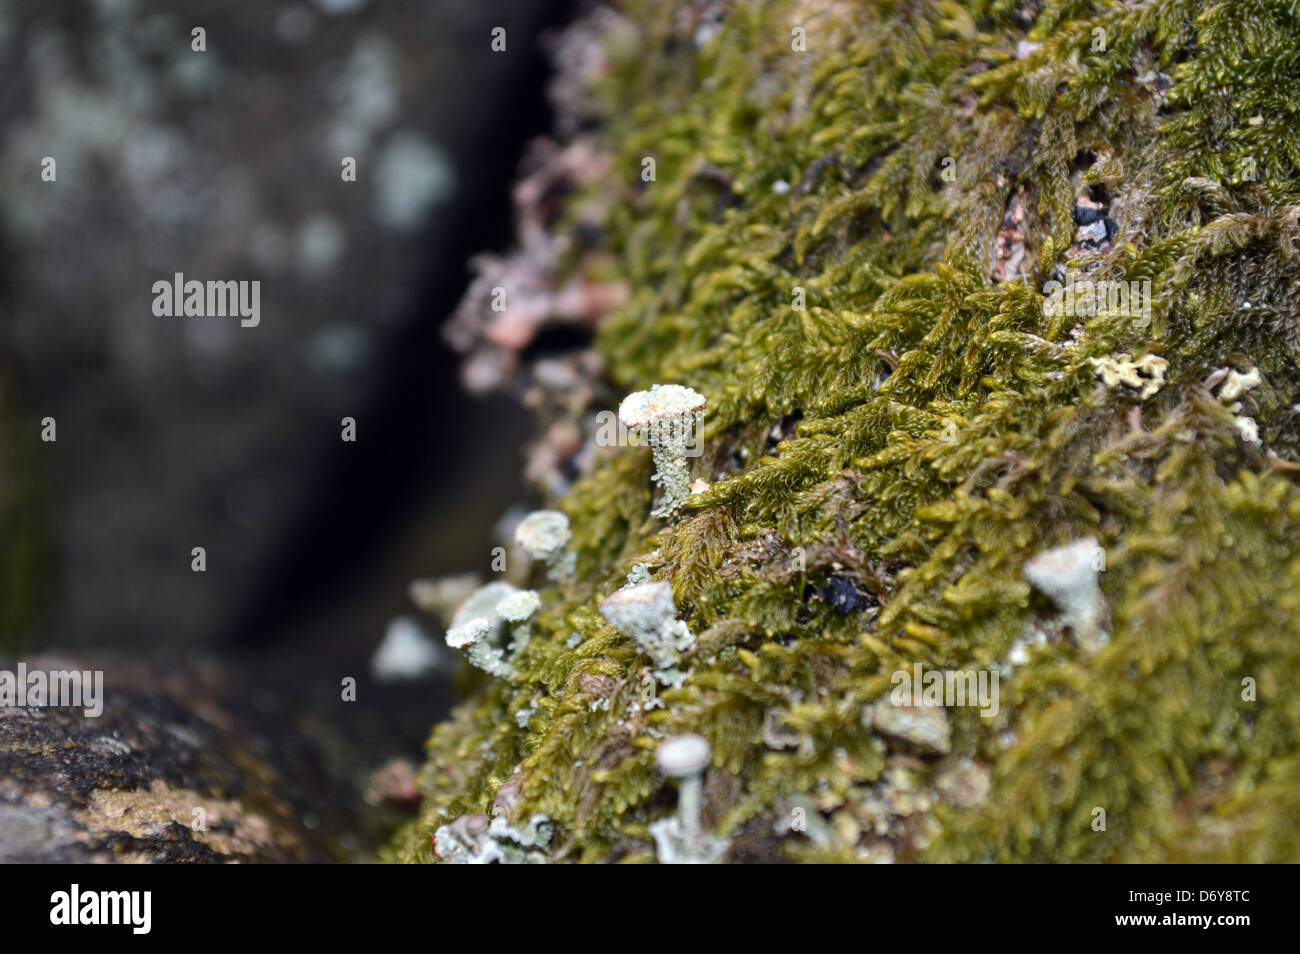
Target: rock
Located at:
point(965, 784)
point(166, 773)
point(225, 164)
point(177, 767)
point(925, 727)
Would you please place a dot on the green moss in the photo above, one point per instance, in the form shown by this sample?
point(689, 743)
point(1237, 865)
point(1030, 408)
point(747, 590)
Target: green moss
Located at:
point(948, 431)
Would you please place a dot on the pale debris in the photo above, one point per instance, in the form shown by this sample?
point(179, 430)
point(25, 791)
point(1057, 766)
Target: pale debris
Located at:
point(1147, 374)
point(1068, 576)
point(965, 784)
point(924, 726)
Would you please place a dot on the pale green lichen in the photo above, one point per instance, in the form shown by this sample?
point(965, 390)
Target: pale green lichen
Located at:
point(645, 614)
point(1235, 386)
point(1145, 375)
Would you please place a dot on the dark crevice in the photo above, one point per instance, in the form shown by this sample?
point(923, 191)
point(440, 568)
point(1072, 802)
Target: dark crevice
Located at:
point(418, 420)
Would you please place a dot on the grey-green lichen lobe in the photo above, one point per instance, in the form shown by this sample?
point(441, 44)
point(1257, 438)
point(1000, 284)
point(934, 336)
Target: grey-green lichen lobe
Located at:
point(922, 429)
point(473, 840)
point(645, 614)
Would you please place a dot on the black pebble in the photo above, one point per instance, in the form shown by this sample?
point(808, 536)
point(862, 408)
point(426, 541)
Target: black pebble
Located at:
point(844, 597)
point(1083, 215)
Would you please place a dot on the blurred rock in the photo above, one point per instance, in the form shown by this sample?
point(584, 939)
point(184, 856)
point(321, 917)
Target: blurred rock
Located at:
point(225, 165)
point(165, 774)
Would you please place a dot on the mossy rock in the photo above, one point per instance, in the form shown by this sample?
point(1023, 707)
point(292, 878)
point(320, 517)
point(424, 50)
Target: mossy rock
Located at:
point(883, 461)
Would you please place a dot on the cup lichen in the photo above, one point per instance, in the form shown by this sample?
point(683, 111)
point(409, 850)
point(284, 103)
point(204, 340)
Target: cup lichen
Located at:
point(477, 626)
point(680, 839)
point(666, 417)
point(543, 535)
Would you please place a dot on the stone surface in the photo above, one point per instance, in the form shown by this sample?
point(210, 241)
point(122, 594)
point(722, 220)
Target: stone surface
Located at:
point(134, 784)
point(925, 727)
point(222, 165)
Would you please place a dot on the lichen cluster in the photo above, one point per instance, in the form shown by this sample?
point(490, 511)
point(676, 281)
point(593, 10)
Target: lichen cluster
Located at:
point(883, 462)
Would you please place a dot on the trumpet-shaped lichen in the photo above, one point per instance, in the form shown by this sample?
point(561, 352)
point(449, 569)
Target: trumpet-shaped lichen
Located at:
point(845, 249)
point(679, 839)
point(666, 417)
point(543, 535)
point(478, 625)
